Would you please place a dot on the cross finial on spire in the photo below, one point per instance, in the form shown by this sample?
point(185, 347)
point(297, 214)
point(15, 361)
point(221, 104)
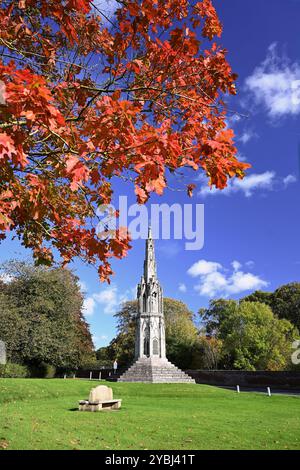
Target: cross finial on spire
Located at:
point(149, 232)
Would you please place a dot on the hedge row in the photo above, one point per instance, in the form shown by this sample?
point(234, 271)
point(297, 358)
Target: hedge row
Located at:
point(18, 371)
point(14, 371)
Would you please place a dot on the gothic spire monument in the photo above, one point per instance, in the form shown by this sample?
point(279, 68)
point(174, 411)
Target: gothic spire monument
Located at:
point(151, 364)
point(150, 325)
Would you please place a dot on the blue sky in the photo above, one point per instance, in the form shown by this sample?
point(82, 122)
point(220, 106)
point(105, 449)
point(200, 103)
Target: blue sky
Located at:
point(252, 229)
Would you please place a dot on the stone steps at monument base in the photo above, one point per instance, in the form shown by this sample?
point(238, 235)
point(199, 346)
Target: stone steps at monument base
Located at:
point(156, 376)
point(159, 381)
point(152, 377)
point(154, 371)
point(145, 370)
point(162, 379)
point(146, 378)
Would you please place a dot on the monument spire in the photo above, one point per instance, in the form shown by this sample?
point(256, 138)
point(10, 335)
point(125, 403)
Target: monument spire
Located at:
point(150, 263)
point(151, 364)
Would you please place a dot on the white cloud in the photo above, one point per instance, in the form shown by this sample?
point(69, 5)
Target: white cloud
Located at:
point(250, 264)
point(236, 265)
point(89, 305)
point(256, 181)
point(233, 119)
point(241, 282)
point(246, 136)
point(203, 267)
point(248, 186)
point(214, 280)
point(212, 284)
point(99, 340)
point(267, 181)
point(275, 85)
point(83, 286)
point(182, 288)
point(106, 295)
point(289, 179)
point(108, 300)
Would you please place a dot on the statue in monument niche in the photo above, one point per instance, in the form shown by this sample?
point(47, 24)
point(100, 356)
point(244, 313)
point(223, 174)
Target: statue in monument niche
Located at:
point(151, 364)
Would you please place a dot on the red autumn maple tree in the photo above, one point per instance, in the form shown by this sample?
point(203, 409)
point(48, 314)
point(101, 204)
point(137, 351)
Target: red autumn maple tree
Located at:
point(88, 98)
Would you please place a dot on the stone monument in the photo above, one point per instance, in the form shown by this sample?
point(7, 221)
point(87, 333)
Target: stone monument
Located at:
point(151, 364)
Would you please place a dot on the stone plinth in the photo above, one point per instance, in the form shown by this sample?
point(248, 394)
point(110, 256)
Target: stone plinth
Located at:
point(155, 370)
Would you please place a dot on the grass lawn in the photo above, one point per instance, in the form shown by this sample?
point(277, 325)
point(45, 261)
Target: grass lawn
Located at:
point(42, 414)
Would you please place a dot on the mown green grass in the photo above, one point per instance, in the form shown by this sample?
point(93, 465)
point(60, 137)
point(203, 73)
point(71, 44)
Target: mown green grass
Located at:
point(42, 414)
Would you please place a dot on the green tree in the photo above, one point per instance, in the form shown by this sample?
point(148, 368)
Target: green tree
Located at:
point(103, 357)
point(181, 333)
point(122, 346)
point(260, 296)
point(41, 317)
point(13, 327)
point(207, 353)
point(286, 303)
point(253, 338)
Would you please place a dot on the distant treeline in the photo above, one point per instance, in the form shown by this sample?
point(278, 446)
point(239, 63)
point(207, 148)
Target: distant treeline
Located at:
point(257, 332)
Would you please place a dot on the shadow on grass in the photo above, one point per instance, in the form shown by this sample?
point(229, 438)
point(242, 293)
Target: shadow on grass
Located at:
point(102, 411)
